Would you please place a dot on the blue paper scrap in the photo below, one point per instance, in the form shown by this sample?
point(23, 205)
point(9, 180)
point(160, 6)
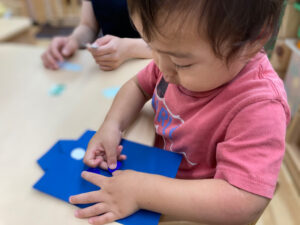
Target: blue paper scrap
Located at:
point(70, 66)
point(110, 92)
point(62, 176)
point(94, 170)
point(56, 89)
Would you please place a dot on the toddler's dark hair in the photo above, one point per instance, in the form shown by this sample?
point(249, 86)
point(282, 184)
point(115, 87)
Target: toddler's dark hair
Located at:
point(234, 22)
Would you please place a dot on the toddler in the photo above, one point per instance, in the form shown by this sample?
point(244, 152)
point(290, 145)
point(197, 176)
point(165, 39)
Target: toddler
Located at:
point(217, 101)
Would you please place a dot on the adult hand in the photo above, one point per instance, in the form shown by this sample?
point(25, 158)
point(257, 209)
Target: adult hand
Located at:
point(59, 49)
point(109, 52)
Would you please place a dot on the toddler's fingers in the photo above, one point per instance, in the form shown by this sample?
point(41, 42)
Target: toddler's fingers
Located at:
point(119, 151)
point(103, 165)
point(103, 219)
point(85, 198)
point(111, 158)
point(122, 157)
point(95, 162)
point(91, 211)
point(91, 159)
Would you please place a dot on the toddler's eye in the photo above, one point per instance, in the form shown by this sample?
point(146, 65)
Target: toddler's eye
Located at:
point(182, 66)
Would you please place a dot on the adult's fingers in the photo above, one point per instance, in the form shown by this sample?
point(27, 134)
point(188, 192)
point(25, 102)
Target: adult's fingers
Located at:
point(107, 64)
point(104, 40)
point(49, 61)
point(103, 46)
point(106, 58)
point(106, 68)
point(69, 48)
point(55, 48)
point(105, 50)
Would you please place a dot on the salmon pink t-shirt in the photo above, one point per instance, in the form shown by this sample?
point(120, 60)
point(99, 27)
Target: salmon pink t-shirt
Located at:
point(235, 132)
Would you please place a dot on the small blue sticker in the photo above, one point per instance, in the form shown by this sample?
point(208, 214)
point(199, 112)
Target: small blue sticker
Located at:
point(119, 164)
point(56, 89)
point(70, 66)
point(110, 92)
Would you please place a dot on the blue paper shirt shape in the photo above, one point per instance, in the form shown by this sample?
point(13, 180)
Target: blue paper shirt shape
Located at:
point(62, 176)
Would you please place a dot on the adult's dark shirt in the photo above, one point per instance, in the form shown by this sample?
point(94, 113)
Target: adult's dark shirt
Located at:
point(113, 18)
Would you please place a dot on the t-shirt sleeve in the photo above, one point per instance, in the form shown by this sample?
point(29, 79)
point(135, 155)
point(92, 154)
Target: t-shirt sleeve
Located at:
point(148, 78)
point(251, 155)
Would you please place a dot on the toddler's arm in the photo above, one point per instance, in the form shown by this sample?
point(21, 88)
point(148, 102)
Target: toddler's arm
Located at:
point(103, 149)
point(211, 201)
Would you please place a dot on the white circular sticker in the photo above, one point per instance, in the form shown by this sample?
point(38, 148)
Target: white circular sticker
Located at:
point(78, 153)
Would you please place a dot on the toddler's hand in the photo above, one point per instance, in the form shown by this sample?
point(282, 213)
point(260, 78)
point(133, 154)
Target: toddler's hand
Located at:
point(117, 198)
point(59, 49)
point(104, 149)
point(109, 52)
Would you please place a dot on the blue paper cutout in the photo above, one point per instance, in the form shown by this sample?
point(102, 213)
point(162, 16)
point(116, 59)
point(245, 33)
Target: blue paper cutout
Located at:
point(56, 89)
point(70, 66)
point(110, 92)
point(62, 176)
point(94, 170)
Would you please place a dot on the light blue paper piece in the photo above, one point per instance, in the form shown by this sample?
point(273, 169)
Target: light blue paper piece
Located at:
point(70, 66)
point(110, 92)
point(56, 89)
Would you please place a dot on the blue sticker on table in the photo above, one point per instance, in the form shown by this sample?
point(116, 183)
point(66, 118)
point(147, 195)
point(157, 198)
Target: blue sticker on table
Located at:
point(56, 89)
point(62, 177)
point(70, 66)
point(110, 92)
